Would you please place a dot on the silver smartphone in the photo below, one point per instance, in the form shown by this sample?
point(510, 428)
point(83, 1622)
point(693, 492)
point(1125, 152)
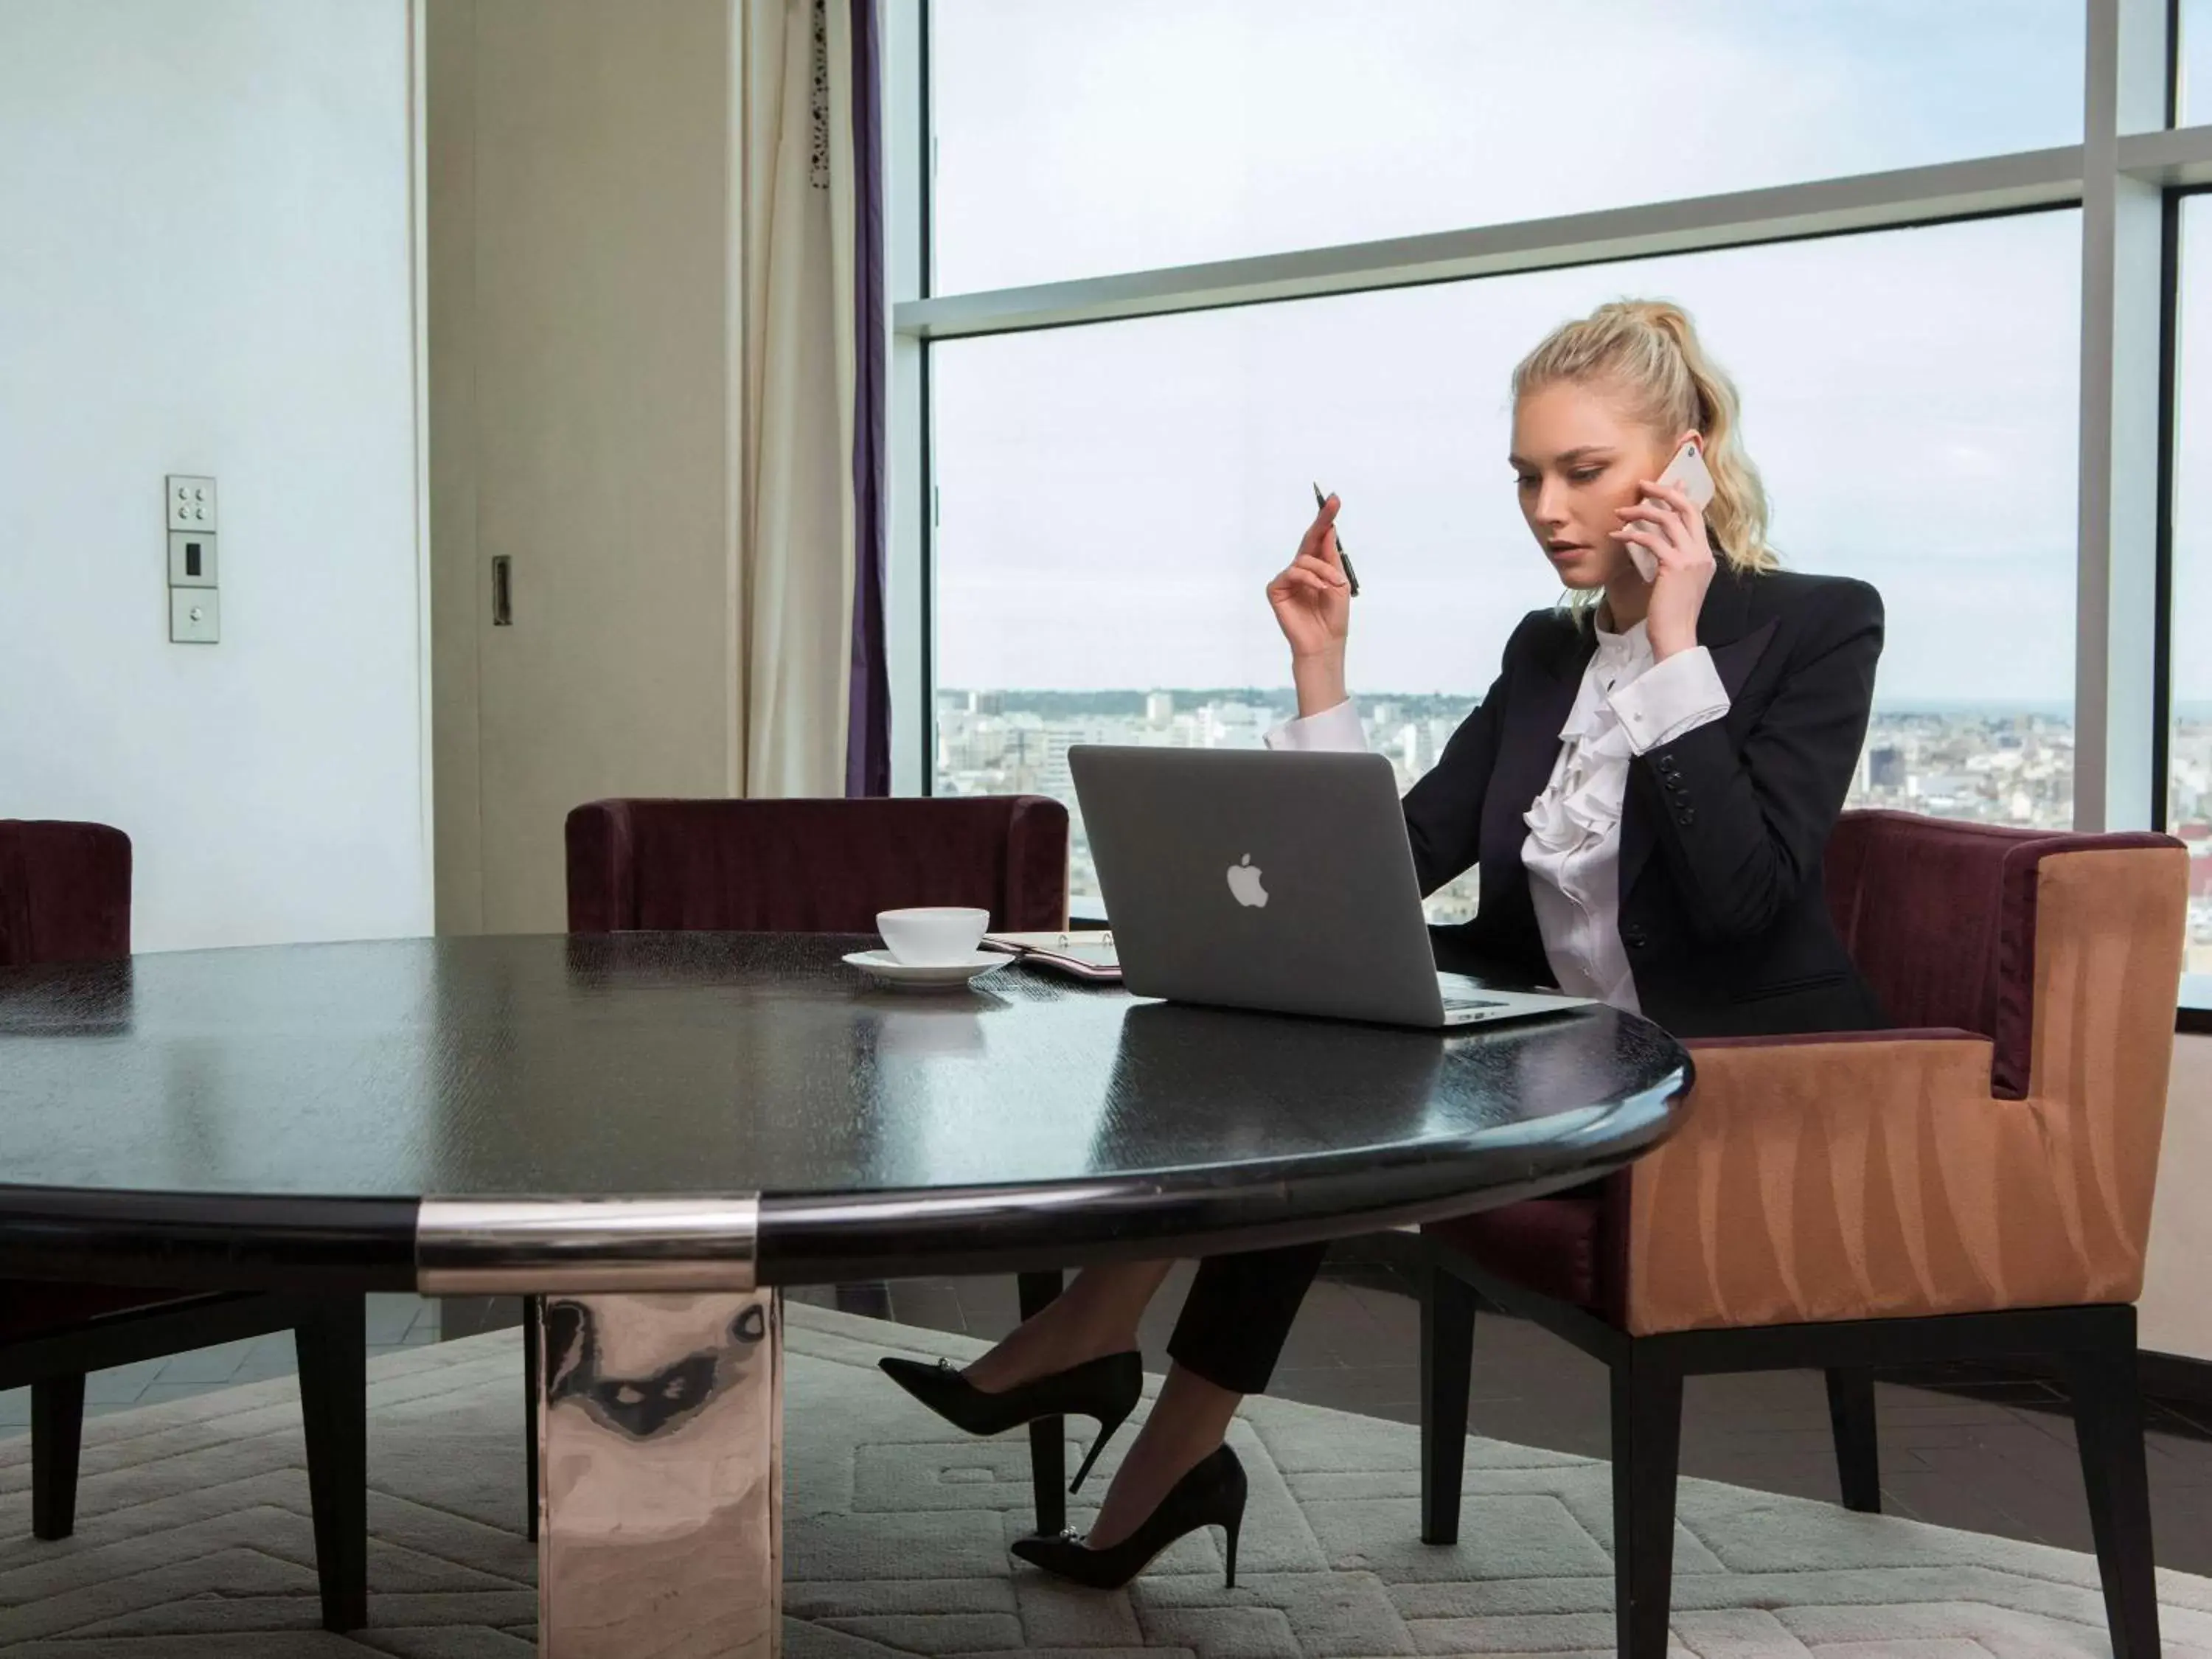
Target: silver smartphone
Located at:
point(1686, 471)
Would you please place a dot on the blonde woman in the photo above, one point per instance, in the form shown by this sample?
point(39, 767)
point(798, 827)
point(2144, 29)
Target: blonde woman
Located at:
point(1646, 788)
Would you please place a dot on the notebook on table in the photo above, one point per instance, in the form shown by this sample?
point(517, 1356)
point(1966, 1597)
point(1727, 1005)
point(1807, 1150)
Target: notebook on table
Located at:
point(1079, 954)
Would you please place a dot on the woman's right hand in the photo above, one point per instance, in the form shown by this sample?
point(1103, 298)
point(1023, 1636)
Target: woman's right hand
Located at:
point(1312, 601)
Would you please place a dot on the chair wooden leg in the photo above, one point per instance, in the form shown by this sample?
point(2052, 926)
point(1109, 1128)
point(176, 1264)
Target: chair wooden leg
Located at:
point(2108, 1426)
point(57, 1437)
point(1647, 1440)
point(1448, 1308)
point(1048, 1435)
point(333, 1350)
point(1858, 1446)
point(533, 1338)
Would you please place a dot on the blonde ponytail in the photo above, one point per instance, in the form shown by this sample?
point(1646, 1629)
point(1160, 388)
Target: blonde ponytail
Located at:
point(1649, 351)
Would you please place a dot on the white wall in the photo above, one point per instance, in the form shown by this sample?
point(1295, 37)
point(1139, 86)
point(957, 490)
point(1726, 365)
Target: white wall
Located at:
point(2175, 1314)
point(206, 211)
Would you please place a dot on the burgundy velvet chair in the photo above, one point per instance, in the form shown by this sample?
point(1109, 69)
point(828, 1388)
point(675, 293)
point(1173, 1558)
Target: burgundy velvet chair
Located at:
point(826, 866)
point(1975, 1185)
point(814, 867)
point(65, 897)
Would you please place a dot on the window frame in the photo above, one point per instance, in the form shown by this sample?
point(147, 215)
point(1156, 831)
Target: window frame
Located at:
point(2127, 177)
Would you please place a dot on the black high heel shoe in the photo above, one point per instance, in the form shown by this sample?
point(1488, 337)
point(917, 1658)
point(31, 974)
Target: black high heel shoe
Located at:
point(1210, 1494)
point(1106, 1389)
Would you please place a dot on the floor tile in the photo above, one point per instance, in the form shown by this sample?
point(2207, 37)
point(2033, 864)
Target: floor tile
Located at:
point(931, 1304)
point(391, 1314)
point(119, 1385)
point(109, 1408)
point(262, 1369)
point(869, 1301)
point(473, 1316)
point(216, 1364)
point(158, 1394)
point(1393, 1392)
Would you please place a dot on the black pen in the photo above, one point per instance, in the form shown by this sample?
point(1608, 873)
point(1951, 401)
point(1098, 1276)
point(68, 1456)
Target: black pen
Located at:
point(1351, 576)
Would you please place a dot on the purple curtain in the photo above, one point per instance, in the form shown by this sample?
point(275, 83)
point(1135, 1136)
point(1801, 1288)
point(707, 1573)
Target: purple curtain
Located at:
point(868, 721)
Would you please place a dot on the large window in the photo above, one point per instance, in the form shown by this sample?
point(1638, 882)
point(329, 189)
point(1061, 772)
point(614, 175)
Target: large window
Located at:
point(2194, 60)
point(1074, 140)
point(1875, 209)
point(2188, 752)
point(1113, 498)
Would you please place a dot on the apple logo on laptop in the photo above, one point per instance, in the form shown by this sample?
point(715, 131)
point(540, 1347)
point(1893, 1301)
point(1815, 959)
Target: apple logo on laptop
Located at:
point(1244, 882)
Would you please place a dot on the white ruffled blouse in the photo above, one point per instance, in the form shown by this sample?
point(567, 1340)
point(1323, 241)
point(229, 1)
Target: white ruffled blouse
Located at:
point(1628, 703)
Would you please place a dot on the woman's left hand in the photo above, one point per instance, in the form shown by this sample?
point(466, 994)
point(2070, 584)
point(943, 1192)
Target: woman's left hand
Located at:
point(1674, 531)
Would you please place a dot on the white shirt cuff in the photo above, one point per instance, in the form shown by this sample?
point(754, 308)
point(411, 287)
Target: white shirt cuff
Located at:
point(1335, 730)
point(1669, 698)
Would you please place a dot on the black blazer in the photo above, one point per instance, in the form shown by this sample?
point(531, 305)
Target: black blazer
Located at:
point(1722, 912)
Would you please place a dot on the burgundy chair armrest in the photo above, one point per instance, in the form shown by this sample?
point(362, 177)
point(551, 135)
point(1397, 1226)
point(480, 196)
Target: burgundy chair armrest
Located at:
point(1941, 917)
point(602, 896)
point(65, 892)
point(1036, 865)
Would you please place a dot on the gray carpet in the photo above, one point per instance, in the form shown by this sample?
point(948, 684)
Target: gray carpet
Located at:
point(193, 1540)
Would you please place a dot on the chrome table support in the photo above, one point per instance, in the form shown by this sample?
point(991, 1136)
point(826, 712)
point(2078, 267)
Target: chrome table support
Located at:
point(661, 1450)
point(660, 1415)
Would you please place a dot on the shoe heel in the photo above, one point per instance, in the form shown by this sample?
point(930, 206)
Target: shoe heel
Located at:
point(1107, 1426)
point(1233, 1491)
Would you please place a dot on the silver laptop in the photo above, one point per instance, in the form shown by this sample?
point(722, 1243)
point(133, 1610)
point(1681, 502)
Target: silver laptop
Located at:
point(1283, 882)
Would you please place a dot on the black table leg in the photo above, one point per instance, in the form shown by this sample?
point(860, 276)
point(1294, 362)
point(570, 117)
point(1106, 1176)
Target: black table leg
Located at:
point(1647, 1442)
point(333, 1350)
point(56, 1438)
point(1447, 1370)
point(1048, 1435)
point(1858, 1446)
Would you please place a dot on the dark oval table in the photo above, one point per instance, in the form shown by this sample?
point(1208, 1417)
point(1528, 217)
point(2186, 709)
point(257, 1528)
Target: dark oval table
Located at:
point(654, 1130)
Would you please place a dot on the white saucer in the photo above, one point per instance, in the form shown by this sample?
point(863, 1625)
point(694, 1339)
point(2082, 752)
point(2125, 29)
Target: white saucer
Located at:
point(882, 965)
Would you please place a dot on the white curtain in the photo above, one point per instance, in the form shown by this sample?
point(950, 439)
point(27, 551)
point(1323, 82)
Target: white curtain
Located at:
point(799, 324)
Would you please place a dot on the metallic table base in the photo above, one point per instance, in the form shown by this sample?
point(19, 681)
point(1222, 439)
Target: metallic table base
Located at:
point(660, 1448)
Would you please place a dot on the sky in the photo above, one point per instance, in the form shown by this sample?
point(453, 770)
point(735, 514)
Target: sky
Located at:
point(1114, 498)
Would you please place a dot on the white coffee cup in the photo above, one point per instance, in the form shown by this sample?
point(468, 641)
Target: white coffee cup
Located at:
point(932, 935)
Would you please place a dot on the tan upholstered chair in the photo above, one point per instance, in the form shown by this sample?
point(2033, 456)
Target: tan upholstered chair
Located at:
point(1974, 1185)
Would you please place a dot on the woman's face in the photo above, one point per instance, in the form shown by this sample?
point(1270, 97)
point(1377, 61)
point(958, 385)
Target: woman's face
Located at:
point(1578, 455)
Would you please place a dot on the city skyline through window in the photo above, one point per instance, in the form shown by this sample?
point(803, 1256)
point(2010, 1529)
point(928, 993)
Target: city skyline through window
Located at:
point(1910, 397)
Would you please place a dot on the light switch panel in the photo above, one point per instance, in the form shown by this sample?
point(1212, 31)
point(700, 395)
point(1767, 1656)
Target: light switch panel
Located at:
point(195, 616)
point(191, 560)
point(191, 503)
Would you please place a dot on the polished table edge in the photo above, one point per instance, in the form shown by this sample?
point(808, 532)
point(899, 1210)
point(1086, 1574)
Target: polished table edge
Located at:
point(234, 1240)
point(208, 1241)
point(522, 1246)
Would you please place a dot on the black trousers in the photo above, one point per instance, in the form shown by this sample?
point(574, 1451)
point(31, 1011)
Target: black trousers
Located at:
point(1238, 1313)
